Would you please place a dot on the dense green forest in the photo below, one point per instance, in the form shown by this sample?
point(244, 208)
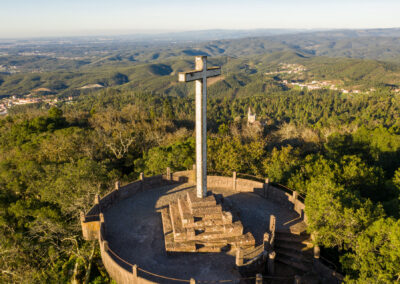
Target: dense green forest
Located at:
point(341, 151)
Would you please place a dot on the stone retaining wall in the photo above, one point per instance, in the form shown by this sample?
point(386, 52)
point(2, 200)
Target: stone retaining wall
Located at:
point(120, 272)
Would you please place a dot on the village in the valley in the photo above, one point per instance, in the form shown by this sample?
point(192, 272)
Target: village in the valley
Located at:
point(297, 69)
point(39, 95)
point(8, 102)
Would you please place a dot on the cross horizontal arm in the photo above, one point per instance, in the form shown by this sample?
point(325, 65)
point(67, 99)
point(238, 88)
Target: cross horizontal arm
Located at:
point(198, 75)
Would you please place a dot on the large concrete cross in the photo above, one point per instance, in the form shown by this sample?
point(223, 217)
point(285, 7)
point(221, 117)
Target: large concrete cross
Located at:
point(200, 75)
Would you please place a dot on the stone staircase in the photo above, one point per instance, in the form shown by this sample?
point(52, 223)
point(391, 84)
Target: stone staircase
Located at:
point(193, 224)
point(294, 250)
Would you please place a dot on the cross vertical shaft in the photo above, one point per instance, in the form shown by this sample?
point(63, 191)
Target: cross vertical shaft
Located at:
point(200, 75)
point(201, 128)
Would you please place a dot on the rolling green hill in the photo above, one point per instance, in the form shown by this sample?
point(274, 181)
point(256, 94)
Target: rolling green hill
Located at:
point(242, 76)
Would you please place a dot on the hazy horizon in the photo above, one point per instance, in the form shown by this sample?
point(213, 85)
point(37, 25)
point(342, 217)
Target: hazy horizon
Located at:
point(46, 18)
point(147, 33)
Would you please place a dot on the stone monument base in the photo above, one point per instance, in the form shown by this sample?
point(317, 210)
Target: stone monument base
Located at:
point(193, 224)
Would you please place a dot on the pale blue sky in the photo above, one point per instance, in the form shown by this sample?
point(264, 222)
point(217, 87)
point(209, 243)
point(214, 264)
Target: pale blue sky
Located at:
point(71, 17)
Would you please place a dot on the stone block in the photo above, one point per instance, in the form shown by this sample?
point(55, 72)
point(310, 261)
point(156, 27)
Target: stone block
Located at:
point(177, 228)
point(204, 211)
point(213, 216)
point(166, 221)
point(235, 229)
point(227, 217)
point(184, 210)
point(181, 247)
point(206, 236)
point(207, 223)
point(211, 247)
point(200, 225)
point(195, 202)
point(242, 241)
point(190, 234)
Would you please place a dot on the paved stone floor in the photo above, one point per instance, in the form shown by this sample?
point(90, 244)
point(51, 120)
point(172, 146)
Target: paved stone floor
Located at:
point(134, 232)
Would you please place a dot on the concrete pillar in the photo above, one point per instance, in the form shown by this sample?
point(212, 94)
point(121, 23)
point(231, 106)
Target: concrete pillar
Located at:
point(234, 181)
point(116, 188)
point(295, 196)
point(267, 237)
point(192, 281)
point(102, 223)
point(97, 201)
point(82, 216)
point(297, 279)
point(271, 263)
point(239, 257)
point(141, 177)
point(272, 228)
point(134, 272)
point(317, 252)
point(267, 240)
point(272, 223)
point(259, 279)
point(169, 173)
point(85, 231)
point(105, 246)
point(266, 187)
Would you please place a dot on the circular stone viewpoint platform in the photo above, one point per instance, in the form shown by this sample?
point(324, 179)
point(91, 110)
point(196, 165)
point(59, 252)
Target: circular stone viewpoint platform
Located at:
point(154, 230)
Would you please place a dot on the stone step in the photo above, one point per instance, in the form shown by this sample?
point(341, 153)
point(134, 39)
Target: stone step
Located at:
point(166, 221)
point(299, 228)
point(204, 212)
point(211, 246)
point(196, 246)
point(209, 249)
point(207, 236)
point(235, 228)
point(185, 212)
point(201, 224)
point(300, 265)
point(177, 227)
point(252, 252)
point(180, 247)
point(297, 246)
point(300, 256)
point(286, 236)
point(195, 202)
point(244, 241)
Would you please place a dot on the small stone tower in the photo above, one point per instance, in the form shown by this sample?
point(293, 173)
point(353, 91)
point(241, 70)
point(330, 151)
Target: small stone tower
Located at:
point(251, 118)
